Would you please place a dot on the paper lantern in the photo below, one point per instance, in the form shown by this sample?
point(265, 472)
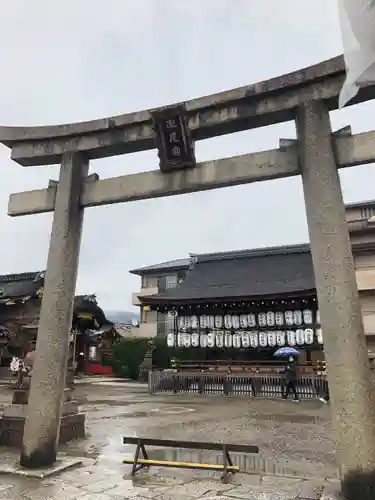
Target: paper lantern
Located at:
point(263, 339)
point(228, 321)
point(279, 318)
point(170, 340)
point(270, 318)
point(245, 337)
point(317, 317)
point(280, 338)
point(218, 321)
point(300, 336)
point(289, 318)
point(297, 317)
point(194, 322)
point(309, 336)
point(271, 337)
point(187, 340)
point(211, 321)
point(181, 322)
point(254, 342)
point(210, 340)
point(236, 340)
point(195, 339)
point(243, 321)
point(307, 316)
point(235, 322)
point(203, 340)
point(180, 340)
point(319, 335)
point(291, 337)
point(251, 320)
point(262, 319)
point(219, 340)
point(203, 323)
point(228, 340)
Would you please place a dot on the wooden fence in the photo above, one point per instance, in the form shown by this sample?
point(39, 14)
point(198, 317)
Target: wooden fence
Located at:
point(269, 386)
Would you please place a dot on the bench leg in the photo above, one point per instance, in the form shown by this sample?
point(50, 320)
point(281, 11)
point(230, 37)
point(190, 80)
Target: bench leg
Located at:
point(136, 456)
point(224, 477)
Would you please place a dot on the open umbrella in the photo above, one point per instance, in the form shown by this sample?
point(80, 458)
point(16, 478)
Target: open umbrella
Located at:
point(287, 351)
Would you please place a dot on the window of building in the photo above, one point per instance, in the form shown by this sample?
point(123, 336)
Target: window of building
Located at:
point(367, 212)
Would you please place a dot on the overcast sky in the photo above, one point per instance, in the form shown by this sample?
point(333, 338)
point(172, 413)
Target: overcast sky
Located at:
point(73, 60)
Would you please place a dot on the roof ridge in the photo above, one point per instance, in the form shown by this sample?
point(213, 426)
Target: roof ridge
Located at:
point(7, 278)
point(254, 252)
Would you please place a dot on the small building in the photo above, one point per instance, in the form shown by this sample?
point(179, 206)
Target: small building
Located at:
point(20, 301)
point(99, 350)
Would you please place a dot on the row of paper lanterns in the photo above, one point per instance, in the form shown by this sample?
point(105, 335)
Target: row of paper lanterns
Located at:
point(252, 320)
point(240, 340)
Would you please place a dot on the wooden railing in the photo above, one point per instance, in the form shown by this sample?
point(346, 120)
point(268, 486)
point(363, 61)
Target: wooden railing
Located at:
point(254, 385)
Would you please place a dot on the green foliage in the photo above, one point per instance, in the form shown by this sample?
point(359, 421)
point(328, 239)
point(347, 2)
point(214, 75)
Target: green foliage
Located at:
point(129, 354)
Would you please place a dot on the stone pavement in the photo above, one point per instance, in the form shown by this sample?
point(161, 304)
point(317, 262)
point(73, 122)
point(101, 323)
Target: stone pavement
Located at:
point(296, 448)
point(89, 482)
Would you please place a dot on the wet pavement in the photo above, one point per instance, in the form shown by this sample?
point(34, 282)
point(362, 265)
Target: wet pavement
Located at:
point(295, 441)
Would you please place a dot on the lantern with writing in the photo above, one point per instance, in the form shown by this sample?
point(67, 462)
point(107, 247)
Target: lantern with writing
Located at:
point(289, 318)
point(309, 336)
point(194, 322)
point(279, 318)
point(270, 318)
point(262, 319)
point(218, 321)
point(228, 340)
point(236, 341)
point(243, 321)
point(280, 338)
point(187, 340)
point(263, 339)
point(271, 336)
point(180, 340)
point(300, 336)
point(195, 339)
point(235, 322)
point(219, 340)
point(210, 340)
point(245, 340)
point(251, 320)
point(254, 339)
point(298, 318)
point(307, 316)
point(291, 336)
point(228, 321)
point(203, 340)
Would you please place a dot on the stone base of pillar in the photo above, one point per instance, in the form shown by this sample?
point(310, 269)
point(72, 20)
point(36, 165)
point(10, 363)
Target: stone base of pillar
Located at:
point(11, 428)
point(13, 420)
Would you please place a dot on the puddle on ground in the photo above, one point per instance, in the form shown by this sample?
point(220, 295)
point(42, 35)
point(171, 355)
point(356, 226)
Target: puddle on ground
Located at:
point(172, 410)
point(293, 419)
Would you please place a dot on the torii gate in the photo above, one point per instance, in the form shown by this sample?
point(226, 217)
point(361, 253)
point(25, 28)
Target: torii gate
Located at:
point(305, 96)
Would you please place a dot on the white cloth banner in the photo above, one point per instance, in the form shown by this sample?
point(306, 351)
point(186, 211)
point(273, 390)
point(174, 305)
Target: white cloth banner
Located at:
point(357, 19)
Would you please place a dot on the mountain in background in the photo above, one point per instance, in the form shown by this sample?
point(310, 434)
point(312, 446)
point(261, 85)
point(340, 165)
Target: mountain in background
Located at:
point(125, 317)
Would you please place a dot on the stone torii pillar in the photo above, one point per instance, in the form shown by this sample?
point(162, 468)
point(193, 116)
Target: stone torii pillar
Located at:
point(348, 368)
point(42, 423)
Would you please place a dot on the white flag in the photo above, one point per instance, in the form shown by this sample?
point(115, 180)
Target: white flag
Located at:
point(357, 18)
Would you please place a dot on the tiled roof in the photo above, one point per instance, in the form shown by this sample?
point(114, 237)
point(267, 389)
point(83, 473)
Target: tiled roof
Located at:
point(163, 266)
point(248, 273)
point(13, 286)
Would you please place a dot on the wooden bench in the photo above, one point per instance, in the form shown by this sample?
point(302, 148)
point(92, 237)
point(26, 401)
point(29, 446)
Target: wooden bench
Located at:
point(226, 467)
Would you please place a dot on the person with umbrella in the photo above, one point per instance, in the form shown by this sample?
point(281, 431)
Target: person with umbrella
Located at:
point(289, 373)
